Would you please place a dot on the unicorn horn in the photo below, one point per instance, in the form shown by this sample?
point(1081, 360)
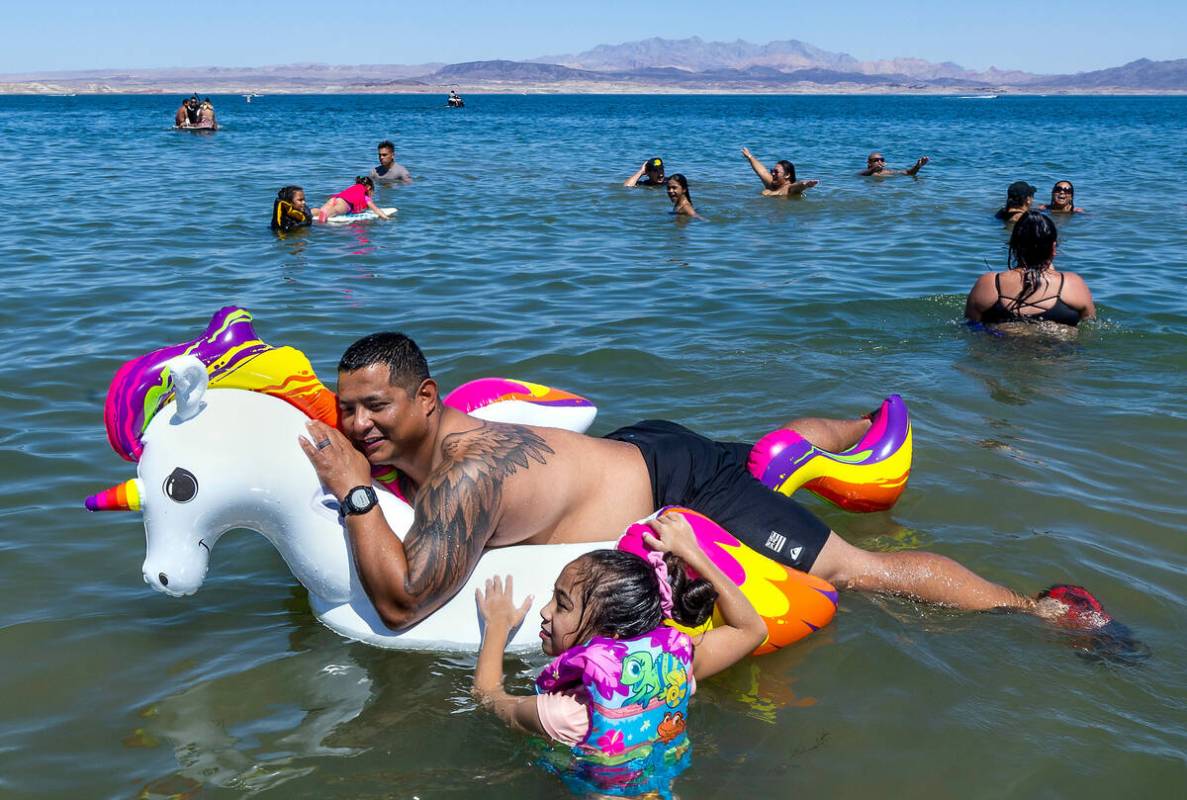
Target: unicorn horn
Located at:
point(121, 497)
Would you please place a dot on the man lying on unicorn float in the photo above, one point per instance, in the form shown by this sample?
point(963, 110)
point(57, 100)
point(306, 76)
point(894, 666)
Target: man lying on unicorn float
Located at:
point(477, 484)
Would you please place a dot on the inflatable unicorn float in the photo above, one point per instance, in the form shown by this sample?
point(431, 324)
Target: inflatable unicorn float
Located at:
point(213, 425)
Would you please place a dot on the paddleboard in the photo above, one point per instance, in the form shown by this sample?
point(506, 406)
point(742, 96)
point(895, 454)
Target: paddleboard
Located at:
point(346, 219)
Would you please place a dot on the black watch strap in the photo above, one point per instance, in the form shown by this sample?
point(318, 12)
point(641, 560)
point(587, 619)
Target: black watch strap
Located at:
point(359, 500)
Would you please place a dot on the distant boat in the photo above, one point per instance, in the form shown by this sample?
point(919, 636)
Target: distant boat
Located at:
point(977, 97)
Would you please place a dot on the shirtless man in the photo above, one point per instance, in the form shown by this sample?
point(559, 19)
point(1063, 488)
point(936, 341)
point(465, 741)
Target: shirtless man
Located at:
point(876, 167)
point(476, 484)
point(780, 180)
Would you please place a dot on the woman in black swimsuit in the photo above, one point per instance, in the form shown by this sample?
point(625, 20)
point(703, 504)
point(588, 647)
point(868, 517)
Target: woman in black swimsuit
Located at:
point(1031, 290)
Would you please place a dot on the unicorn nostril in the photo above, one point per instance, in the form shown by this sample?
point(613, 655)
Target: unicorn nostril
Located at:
point(163, 578)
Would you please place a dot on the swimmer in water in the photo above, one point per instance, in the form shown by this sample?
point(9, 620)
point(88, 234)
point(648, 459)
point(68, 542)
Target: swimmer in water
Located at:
point(354, 200)
point(653, 169)
point(1063, 199)
point(1019, 196)
point(780, 180)
point(289, 210)
point(1031, 290)
point(876, 167)
point(677, 186)
point(609, 608)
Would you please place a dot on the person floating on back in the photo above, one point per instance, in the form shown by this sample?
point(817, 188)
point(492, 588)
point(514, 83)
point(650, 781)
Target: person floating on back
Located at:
point(780, 180)
point(1031, 290)
point(876, 167)
point(651, 174)
point(354, 200)
point(618, 689)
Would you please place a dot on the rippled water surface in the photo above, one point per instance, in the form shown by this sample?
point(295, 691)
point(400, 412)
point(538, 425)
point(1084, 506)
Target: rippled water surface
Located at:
point(518, 252)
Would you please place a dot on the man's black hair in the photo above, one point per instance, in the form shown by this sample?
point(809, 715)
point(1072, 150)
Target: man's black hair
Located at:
point(386, 145)
point(408, 366)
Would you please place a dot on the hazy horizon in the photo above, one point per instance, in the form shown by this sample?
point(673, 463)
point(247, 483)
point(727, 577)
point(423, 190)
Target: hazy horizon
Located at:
point(1051, 38)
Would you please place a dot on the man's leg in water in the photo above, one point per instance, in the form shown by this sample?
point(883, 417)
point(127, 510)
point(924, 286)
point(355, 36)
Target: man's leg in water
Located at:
point(833, 435)
point(923, 576)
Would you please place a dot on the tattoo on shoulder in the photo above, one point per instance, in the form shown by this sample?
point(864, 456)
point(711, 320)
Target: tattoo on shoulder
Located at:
point(458, 505)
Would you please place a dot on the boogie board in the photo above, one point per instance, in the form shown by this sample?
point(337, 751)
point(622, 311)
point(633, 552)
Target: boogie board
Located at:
point(346, 219)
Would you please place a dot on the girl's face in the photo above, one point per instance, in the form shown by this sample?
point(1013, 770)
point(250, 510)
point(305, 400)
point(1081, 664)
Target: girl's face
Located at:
point(298, 198)
point(675, 191)
point(561, 618)
point(778, 175)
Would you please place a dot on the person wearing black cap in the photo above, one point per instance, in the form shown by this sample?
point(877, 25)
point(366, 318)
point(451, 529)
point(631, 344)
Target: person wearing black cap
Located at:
point(1018, 198)
point(653, 168)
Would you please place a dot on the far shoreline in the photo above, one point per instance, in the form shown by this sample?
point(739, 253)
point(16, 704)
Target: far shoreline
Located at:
point(46, 89)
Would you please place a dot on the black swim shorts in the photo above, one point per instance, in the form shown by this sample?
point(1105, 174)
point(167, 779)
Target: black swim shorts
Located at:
point(711, 477)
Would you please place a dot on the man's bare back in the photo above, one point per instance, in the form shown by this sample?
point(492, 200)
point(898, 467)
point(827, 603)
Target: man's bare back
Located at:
point(477, 484)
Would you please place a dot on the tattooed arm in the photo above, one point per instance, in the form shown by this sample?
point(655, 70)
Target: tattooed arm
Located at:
point(457, 510)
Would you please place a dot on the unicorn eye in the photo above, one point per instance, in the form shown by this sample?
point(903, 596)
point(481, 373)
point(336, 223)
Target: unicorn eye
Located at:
point(181, 485)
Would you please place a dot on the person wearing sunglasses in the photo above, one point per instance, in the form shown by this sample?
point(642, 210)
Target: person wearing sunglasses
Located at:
point(779, 180)
point(876, 167)
point(1063, 199)
point(1031, 289)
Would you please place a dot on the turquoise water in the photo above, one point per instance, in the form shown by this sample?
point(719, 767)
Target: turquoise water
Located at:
point(517, 252)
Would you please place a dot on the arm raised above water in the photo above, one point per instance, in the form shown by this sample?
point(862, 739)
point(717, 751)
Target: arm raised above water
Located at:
point(457, 510)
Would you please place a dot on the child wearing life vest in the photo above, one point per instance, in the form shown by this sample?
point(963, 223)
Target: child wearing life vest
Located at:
point(618, 690)
point(289, 210)
point(354, 200)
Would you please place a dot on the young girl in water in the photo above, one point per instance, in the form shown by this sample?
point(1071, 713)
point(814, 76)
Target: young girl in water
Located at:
point(354, 200)
point(618, 689)
point(289, 210)
point(677, 186)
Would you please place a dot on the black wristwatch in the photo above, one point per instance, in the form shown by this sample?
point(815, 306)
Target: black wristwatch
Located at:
point(359, 500)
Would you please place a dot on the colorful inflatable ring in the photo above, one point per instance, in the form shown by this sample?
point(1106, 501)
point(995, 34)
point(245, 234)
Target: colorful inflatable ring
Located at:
point(869, 476)
point(791, 603)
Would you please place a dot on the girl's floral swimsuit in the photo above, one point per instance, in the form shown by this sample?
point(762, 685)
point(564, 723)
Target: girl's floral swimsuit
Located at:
point(636, 693)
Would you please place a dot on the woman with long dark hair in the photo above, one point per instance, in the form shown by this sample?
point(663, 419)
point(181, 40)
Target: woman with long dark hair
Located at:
point(677, 186)
point(1031, 290)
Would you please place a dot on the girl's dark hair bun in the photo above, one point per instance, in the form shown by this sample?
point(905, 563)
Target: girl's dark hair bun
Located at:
point(692, 599)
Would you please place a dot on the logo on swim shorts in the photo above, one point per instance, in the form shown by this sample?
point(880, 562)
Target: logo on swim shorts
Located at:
point(794, 553)
point(776, 541)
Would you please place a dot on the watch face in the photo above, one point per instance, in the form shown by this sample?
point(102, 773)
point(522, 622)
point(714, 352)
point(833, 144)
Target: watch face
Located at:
point(359, 499)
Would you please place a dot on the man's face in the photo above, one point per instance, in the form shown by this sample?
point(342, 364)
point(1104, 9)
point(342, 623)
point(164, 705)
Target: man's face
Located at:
point(386, 156)
point(876, 162)
point(382, 421)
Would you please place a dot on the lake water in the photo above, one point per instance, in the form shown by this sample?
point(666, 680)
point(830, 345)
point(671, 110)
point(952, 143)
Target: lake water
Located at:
point(517, 252)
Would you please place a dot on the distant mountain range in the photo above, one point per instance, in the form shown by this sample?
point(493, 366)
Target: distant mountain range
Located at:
point(648, 65)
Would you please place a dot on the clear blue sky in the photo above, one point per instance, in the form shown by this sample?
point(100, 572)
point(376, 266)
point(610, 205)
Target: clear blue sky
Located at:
point(1044, 36)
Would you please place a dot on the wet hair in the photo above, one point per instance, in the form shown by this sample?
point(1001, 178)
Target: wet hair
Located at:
point(286, 193)
point(683, 181)
point(789, 168)
point(405, 361)
point(386, 145)
point(620, 595)
point(1031, 241)
point(365, 181)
